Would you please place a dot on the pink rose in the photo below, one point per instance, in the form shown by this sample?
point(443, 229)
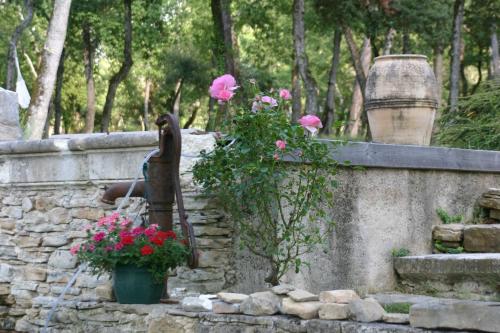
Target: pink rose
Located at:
point(276, 157)
point(311, 123)
point(281, 144)
point(269, 100)
point(285, 94)
point(222, 88)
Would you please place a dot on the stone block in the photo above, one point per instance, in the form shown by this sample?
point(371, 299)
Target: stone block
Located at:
point(33, 257)
point(448, 232)
point(7, 224)
point(58, 215)
point(213, 258)
point(304, 310)
point(333, 311)
point(482, 238)
point(282, 289)
point(223, 307)
point(6, 272)
point(299, 295)
point(55, 241)
point(35, 217)
point(26, 205)
point(33, 273)
point(27, 241)
point(196, 304)
point(366, 310)
point(338, 296)
point(495, 214)
point(396, 318)
point(43, 204)
point(263, 303)
point(457, 315)
point(232, 297)
point(105, 292)
point(8, 252)
point(57, 290)
point(490, 199)
point(24, 285)
point(87, 213)
point(14, 212)
point(62, 259)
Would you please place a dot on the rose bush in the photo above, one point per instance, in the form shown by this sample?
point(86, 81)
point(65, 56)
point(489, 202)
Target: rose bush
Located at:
point(114, 241)
point(270, 175)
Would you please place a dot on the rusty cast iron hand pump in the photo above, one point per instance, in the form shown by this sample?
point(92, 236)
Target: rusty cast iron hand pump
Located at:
point(162, 184)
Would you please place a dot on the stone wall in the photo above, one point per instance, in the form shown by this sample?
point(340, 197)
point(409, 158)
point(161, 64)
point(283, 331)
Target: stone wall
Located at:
point(49, 189)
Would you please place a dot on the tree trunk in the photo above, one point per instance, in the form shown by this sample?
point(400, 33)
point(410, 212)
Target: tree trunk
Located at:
point(406, 42)
point(88, 60)
point(355, 57)
point(302, 61)
point(176, 104)
point(296, 92)
point(226, 47)
point(495, 57)
point(455, 54)
point(121, 75)
point(211, 115)
point(438, 71)
point(355, 112)
point(226, 42)
point(147, 92)
point(47, 74)
point(389, 38)
point(194, 111)
point(57, 97)
point(329, 114)
point(465, 84)
point(10, 83)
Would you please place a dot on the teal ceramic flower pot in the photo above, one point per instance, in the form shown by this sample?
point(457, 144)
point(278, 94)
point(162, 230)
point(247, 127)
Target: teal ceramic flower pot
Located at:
point(135, 285)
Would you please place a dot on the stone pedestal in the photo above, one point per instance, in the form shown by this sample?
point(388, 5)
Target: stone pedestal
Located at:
point(9, 116)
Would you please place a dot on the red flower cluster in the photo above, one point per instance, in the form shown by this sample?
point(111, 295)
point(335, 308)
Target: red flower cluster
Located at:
point(146, 250)
point(159, 237)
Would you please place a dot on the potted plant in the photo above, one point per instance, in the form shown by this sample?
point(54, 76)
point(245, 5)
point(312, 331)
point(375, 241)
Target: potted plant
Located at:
point(273, 178)
point(139, 258)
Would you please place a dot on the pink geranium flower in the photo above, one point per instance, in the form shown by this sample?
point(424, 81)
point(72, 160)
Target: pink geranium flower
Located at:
point(311, 123)
point(118, 246)
point(222, 88)
point(281, 144)
point(137, 231)
point(285, 94)
point(74, 249)
point(99, 236)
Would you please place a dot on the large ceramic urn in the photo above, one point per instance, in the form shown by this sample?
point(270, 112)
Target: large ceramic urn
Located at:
point(401, 99)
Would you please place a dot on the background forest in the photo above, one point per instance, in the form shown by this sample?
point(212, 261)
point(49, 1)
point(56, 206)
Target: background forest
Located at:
point(126, 61)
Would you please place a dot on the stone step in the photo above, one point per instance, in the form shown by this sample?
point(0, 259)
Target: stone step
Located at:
point(474, 276)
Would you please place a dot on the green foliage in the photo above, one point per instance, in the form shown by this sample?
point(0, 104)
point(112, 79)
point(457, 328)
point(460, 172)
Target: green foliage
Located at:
point(476, 124)
point(398, 308)
point(446, 249)
point(277, 204)
point(113, 242)
point(398, 253)
point(447, 218)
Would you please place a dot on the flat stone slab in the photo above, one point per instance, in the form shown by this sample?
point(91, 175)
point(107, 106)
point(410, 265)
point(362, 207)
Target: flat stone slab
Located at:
point(459, 315)
point(299, 295)
point(449, 266)
point(398, 298)
point(482, 238)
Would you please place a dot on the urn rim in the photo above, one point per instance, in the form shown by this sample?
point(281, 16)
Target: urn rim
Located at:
point(402, 56)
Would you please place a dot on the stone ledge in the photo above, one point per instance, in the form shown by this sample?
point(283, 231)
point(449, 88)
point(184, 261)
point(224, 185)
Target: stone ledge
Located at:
point(113, 317)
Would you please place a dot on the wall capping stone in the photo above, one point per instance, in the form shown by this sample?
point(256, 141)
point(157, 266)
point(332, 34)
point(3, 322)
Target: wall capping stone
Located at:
point(358, 153)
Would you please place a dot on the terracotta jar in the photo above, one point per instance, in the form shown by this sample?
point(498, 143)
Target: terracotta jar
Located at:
point(401, 99)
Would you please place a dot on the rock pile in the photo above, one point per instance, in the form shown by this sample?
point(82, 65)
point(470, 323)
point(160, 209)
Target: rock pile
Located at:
point(490, 201)
point(285, 299)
